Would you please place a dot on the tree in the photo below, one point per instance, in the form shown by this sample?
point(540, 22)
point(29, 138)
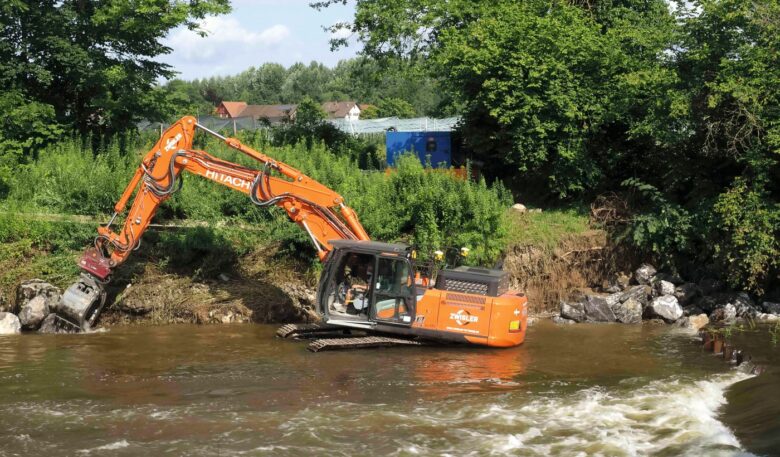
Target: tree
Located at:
point(677, 109)
point(395, 107)
point(94, 61)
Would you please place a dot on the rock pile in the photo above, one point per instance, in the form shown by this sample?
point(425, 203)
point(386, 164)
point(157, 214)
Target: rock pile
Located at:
point(651, 295)
point(32, 310)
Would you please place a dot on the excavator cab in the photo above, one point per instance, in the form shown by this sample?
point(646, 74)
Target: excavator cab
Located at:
point(366, 282)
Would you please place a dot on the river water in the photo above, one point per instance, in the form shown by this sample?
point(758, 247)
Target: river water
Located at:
point(237, 390)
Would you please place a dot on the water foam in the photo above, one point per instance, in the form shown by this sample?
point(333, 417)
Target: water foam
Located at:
point(663, 416)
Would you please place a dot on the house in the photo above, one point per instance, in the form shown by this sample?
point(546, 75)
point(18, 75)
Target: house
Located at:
point(349, 111)
point(273, 114)
point(230, 110)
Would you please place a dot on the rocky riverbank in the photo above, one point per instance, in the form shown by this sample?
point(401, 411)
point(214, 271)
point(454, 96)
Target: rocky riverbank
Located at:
point(651, 296)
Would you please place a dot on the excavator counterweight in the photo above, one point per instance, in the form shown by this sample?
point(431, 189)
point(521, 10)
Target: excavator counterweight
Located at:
point(370, 286)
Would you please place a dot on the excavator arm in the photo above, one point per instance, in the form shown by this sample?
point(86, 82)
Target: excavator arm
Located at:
point(317, 209)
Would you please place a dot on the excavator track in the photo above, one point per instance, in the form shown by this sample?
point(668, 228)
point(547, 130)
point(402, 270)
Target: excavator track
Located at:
point(336, 344)
point(309, 330)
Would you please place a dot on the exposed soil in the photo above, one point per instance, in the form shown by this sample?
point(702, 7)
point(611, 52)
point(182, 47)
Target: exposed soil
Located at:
point(260, 288)
point(578, 264)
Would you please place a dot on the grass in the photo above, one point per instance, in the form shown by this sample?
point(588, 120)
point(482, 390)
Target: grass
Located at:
point(548, 228)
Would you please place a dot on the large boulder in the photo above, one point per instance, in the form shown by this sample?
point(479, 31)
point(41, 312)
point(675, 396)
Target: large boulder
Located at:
point(9, 324)
point(35, 288)
point(665, 307)
point(770, 307)
point(597, 309)
point(767, 317)
point(33, 313)
point(573, 311)
point(628, 312)
point(664, 287)
point(617, 283)
point(520, 208)
point(562, 320)
point(638, 293)
point(744, 306)
point(53, 324)
point(726, 314)
point(644, 274)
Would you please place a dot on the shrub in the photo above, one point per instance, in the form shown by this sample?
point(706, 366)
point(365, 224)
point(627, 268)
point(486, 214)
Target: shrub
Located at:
point(427, 208)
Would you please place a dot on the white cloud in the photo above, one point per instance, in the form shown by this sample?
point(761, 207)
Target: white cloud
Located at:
point(341, 33)
point(225, 36)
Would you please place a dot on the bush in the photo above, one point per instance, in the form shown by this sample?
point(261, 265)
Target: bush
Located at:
point(427, 208)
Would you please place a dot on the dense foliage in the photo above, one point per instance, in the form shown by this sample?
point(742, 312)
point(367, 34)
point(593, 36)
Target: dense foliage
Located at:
point(674, 106)
point(395, 88)
point(86, 64)
point(433, 210)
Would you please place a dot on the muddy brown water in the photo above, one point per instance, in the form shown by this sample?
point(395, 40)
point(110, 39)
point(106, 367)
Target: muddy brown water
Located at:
point(237, 390)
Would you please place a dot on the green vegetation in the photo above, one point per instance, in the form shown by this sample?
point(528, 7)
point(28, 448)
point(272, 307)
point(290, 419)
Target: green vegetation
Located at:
point(85, 64)
point(395, 88)
point(673, 107)
point(432, 210)
point(547, 229)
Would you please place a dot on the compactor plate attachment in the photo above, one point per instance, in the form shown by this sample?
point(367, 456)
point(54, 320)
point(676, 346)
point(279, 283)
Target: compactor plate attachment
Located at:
point(82, 302)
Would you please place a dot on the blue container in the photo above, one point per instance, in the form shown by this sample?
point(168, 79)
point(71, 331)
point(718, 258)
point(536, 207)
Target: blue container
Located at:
point(437, 145)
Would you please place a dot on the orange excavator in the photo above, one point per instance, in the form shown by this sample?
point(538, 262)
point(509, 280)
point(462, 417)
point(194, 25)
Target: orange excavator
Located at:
point(365, 285)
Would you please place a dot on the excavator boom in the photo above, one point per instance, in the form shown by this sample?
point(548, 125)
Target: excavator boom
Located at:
point(320, 211)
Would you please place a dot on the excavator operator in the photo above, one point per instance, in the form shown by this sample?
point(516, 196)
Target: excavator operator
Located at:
point(355, 284)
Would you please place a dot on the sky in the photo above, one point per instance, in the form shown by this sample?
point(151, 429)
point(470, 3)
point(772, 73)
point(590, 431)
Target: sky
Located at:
point(256, 32)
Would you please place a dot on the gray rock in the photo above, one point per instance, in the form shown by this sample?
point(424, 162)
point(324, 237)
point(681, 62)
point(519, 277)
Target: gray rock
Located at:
point(744, 306)
point(638, 293)
point(573, 311)
point(618, 283)
point(54, 325)
point(770, 307)
point(685, 293)
point(519, 207)
point(644, 274)
point(597, 309)
point(665, 307)
point(563, 321)
point(726, 314)
point(628, 312)
point(729, 313)
point(767, 317)
point(664, 287)
point(34, 288)
point(226, 316)
point(9, 324)
point(33, 313)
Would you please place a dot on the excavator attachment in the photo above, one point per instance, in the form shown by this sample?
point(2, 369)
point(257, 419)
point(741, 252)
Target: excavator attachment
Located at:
point(82, 302)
